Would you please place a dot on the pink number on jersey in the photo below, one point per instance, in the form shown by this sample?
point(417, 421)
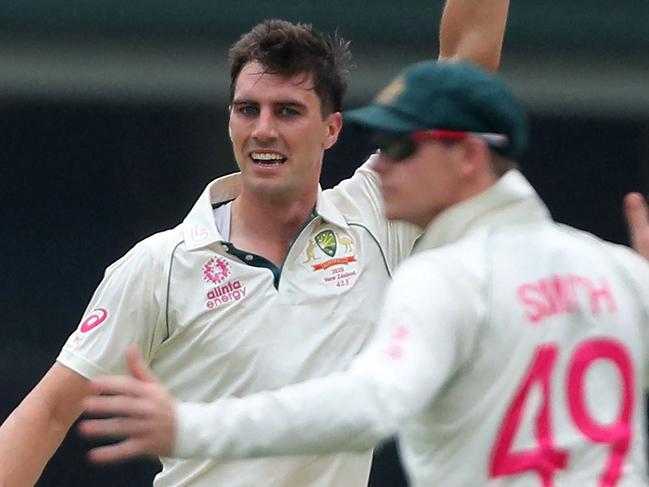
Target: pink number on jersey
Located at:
point(618, 433)
point(545, 458)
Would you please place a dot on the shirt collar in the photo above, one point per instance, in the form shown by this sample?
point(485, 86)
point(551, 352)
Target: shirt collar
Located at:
point(510, 200)
point(199, 228)
point(329, 212)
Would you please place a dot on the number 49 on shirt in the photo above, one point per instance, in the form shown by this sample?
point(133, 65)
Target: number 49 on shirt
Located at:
point(546, 458)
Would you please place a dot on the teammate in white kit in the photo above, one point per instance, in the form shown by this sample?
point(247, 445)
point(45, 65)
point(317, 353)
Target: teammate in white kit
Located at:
point(268, 281)
point(511, 350)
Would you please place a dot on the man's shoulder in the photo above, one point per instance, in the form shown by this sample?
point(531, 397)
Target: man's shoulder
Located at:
point(154, 250)
point(461, 260)
point(354, 193)
point(620, 252)
point(463, 251)
point(162, 242)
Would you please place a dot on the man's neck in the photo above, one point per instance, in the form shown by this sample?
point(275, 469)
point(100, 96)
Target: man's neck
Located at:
point(267, 227)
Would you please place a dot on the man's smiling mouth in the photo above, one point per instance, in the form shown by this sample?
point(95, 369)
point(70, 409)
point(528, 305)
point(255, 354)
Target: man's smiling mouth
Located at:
point(268, 158)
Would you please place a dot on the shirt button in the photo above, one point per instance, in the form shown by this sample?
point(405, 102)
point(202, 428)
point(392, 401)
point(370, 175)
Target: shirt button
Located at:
point(248, 257)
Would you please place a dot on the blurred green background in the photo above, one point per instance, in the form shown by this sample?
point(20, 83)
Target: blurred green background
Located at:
point(588, 56)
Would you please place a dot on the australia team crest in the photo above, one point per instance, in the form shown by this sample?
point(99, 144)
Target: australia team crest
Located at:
point(334, 254)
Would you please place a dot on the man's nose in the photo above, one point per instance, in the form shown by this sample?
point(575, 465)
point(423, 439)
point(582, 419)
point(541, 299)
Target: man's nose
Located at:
point(265, 127)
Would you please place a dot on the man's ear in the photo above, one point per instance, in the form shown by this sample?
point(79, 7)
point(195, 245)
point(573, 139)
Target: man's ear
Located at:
point(475, 157)
point(334, 124)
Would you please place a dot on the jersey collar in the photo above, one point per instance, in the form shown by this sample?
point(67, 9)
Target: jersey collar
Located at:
point(511, 200)
point(199, 228)
point(329, 212)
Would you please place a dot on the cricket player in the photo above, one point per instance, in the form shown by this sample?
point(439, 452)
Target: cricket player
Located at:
point(510, 351)
point(268, 281)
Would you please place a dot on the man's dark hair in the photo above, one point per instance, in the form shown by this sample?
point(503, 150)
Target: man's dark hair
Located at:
point(287, 49)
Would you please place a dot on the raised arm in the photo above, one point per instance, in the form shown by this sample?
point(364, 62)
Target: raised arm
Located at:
point(36, 428)
point(636, 212)
point(473, 30)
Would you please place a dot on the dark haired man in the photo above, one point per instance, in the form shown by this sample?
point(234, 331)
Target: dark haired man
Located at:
point(286, 49)
point(267, 282)
point(510, 351)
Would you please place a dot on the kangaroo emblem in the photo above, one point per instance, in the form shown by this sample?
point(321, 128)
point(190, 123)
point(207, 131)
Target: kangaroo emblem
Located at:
point(310, 252)
point(347, 242)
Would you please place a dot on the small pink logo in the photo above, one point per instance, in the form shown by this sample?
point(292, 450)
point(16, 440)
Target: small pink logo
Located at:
point(94, 319)
point(395, 347)
point(216, 270)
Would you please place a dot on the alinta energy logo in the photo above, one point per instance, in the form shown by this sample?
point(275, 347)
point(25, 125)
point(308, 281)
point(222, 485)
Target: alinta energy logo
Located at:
point(216, 270)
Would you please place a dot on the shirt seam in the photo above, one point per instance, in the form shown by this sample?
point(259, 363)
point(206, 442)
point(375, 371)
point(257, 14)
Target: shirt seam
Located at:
point(167, 298)
point(378, 244)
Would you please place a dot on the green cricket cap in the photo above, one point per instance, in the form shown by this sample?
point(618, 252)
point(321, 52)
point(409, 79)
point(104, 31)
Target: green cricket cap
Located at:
point(447, 96)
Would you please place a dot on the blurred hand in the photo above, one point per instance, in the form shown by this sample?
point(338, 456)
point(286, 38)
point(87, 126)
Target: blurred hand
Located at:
point(636, 212)
point(141, 413)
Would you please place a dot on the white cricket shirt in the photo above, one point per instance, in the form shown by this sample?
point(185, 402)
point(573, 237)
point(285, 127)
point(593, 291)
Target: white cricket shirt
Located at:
point(512, 351)
point(215, 321)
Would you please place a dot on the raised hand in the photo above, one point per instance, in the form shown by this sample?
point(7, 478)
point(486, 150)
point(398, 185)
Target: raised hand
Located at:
point(636, 212)
point(140, 412)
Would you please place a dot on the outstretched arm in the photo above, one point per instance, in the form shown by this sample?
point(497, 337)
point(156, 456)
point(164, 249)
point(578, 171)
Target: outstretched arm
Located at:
point(35, 429)
point(295, 420)
point(473, 30)
point(412, 355)
point(636, 212)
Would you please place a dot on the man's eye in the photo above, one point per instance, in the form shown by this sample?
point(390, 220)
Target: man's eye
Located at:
point(288, 112)
point(247, 110)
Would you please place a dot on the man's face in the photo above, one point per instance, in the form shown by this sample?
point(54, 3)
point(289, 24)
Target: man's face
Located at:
point(420, 187)
point(278, 133)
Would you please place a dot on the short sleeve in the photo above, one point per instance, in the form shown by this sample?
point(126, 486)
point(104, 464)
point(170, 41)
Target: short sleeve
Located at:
point(126, 308)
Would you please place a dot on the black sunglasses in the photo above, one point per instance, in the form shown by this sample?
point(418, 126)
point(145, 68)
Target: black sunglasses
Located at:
point(398, 147)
